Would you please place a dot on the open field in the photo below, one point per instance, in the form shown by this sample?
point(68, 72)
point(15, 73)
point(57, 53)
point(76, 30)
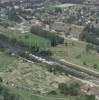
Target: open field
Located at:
point(31, 76)
point(28, 39)
point(75, 52)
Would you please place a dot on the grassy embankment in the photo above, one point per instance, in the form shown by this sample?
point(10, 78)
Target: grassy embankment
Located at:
point(71, 51)
point(29, 75)
point(75, 52)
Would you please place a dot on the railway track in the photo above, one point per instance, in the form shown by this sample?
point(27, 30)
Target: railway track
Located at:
point(85, 72)
point(71, 68)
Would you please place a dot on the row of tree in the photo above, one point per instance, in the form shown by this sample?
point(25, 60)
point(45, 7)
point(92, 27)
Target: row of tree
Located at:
point(90, 34)
point(54, 38)
point(70, 1)
point(22, 46)
point(72, 89)
point(12, 15)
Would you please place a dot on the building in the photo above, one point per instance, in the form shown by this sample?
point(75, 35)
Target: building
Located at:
point(90, 90)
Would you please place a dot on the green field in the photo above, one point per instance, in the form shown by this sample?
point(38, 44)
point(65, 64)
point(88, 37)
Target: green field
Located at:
point(75, 52)
point(28, 39)
point(5, 60)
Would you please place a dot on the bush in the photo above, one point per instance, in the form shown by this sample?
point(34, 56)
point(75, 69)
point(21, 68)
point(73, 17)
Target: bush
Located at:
point(78, 56)
point(84, 63)
point(52, 92)
point(1, 79)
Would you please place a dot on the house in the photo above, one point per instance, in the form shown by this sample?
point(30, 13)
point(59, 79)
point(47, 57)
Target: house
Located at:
point(4, 1)
point(90, 90)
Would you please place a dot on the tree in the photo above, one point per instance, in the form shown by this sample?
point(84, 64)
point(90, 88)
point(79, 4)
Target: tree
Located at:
point(97, 49)
point(84, 63)
point(12, 15)
point(90, 34)
point(89, 47)
point(85, 97)
point(90, 97)
point(1, 79)
point(5, 94)
point(71, 88)
point(63, 88)
point(58, 10)
point(95, 66)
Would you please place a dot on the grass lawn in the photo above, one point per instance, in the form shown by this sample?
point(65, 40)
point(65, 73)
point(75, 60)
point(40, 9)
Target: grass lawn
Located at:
point(5, 60)
point(28, 39)
point(75, 52)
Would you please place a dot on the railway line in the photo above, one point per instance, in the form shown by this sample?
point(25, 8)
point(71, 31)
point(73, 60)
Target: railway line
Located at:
point(69, 67)
point(84, 72)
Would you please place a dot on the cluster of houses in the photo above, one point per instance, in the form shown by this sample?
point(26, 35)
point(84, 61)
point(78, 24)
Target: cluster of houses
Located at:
point(91, 2)
point(60, 18)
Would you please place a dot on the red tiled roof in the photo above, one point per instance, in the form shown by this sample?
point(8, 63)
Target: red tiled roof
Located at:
point(90, 90)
